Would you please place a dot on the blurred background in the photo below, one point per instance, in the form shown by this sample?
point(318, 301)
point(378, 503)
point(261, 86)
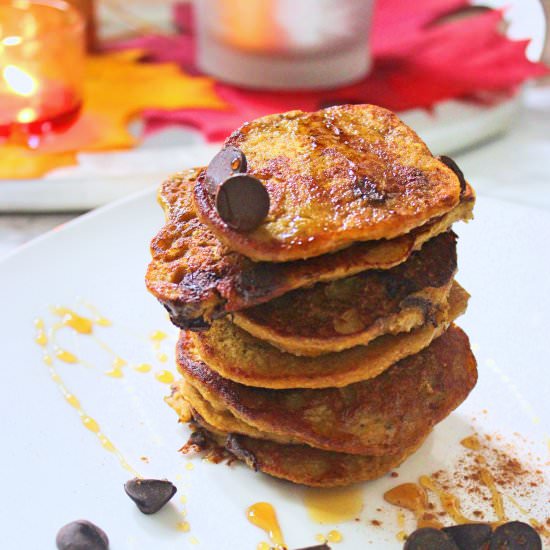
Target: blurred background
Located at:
point(103, 98)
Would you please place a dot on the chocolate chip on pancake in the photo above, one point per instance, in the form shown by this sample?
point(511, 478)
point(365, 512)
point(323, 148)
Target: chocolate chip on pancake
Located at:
point(242, 202)
point(228, 162)
point(450, 163)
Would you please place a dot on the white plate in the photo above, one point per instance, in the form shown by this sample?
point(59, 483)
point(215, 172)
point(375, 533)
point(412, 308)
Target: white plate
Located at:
point(55, 471)
point(103, 177)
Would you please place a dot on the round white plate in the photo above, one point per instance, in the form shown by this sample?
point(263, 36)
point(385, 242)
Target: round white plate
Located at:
point(56, 471)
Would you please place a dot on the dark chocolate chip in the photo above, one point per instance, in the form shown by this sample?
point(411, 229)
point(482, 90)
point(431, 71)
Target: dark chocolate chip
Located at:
point(318, 547)
point(515, 535)
point(81, 535)
point(427, 538)
point(150, 495)
point(233, 445)
point(450, 163)
point(242, 202)
point(228, 162)
point(470, 536)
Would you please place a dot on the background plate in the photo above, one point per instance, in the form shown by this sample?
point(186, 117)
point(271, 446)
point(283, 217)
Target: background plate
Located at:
point(103, 177)
point(56, 471)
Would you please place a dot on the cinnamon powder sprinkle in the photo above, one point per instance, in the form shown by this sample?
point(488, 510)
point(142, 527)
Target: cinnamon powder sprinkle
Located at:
point(518, 486)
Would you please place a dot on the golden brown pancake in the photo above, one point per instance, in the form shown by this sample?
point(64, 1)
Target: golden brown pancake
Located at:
point(334, 316)
point(337, 176)
point(313, 467)
point(198, 279)
point(379, 416)
point(237, 355)
point(221, 419)
point(297, 463)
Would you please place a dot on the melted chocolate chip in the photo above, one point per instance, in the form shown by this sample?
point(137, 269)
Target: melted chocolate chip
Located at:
point(233, 445)
point(81, 535)
point(470, 536)
point(450, 163)
point(228, 162)
point(427, 538)
point(515, 535)
point(242, 202)
point(150, 495)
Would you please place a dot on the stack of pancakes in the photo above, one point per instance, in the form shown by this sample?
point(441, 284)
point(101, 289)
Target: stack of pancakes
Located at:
point(319, 347)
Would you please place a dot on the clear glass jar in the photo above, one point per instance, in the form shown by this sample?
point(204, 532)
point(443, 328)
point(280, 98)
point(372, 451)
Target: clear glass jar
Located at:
point(284, 44)
point(41, 66)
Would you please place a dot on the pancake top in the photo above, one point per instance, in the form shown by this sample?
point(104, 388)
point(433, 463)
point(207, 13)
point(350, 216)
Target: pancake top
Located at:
point(336, 176)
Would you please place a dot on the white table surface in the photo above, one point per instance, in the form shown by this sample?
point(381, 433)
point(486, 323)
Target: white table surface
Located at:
point(515, 167)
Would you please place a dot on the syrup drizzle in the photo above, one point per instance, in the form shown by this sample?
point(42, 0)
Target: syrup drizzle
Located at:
point(85, 326)
point(263, 515)
point(87, 421)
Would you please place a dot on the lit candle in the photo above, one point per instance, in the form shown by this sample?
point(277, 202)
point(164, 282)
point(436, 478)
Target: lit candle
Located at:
point(284, 44)
point(41, 64)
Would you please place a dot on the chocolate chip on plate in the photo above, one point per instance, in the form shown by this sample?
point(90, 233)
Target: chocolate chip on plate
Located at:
point(450, 163)
point(470, 536)
point(228, 162)
point(81, 535)
point(324, 546)
point(242, 202)
point(150, 495)
point(515, 535)
point(428, 538)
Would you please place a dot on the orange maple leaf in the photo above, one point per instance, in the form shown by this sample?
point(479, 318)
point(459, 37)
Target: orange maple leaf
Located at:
point(117, 88)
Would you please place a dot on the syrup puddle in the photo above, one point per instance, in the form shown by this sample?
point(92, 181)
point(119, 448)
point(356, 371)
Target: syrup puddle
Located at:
point(334, 505)
point(263, 515)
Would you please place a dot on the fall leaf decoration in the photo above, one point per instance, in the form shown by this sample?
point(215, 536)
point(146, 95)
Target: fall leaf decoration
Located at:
point(117, 88)
point(17, 162)
point(424, 52)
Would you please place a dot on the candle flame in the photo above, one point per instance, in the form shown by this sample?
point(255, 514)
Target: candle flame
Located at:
point(19, 81)
point(26, 115)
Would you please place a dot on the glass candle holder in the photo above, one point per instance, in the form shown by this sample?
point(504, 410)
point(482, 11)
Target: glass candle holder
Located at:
point(41, 67)
point(284, 44)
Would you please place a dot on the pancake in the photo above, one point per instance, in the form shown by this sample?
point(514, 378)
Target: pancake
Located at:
point(376, 417)
point(313, 467)
point(334, 316)
point(197, 279)
point(296, 463)
point(237, 355)
point(222, 420)
point(337, 176)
